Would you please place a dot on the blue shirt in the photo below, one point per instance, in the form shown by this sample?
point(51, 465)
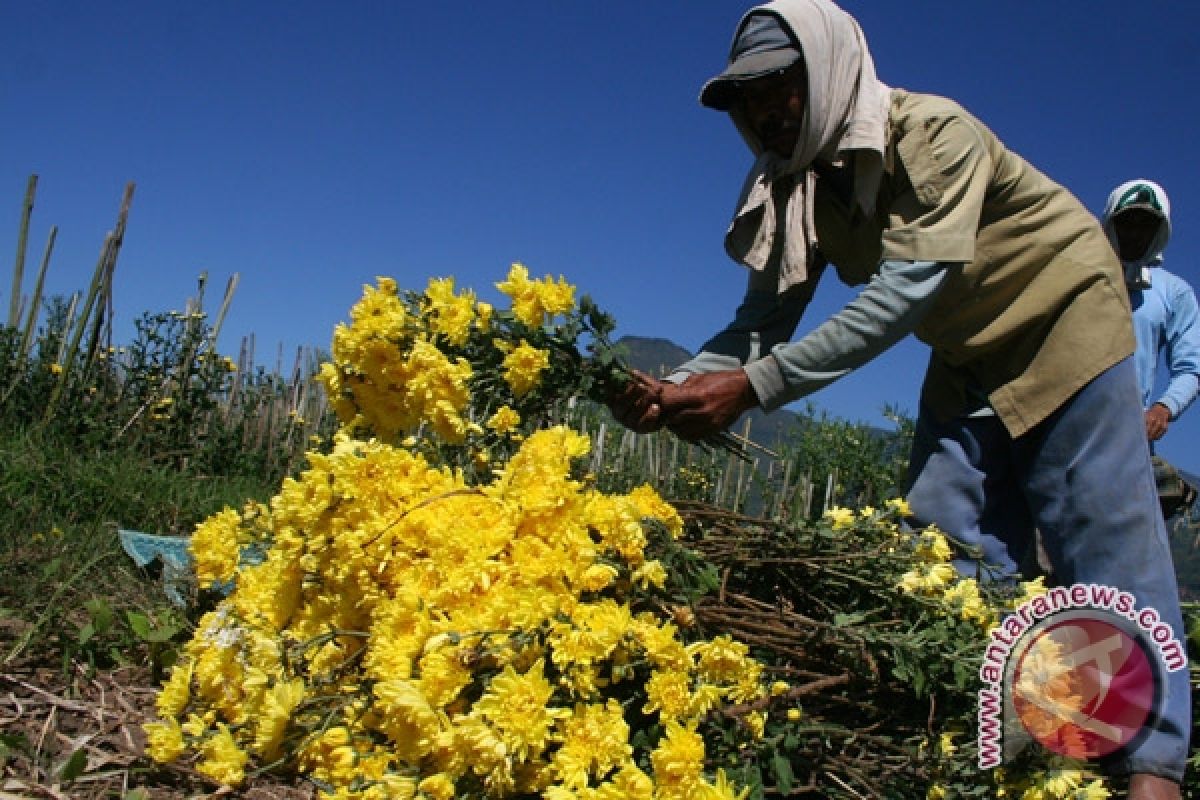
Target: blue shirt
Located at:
point(1165, 322)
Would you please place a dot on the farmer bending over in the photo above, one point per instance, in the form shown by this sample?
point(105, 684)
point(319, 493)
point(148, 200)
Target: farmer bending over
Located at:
point(1001, 271)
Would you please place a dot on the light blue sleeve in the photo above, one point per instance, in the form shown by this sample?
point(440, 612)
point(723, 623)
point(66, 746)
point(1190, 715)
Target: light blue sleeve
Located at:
point(887, 310)
point(1181, 343)
point(765, 318)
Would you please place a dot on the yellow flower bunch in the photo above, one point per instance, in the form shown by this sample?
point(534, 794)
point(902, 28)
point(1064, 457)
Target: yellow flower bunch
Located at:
point(410, 634)
point(535, 300)
point(391, 370)
point(1061, 779)
point(840, 518)
point(933, 576)
point(454, 372)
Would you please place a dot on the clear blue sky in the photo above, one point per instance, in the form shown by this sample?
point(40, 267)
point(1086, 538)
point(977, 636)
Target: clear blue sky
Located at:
point(310, 146)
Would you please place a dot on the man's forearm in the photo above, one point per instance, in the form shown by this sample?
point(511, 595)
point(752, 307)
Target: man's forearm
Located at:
point(890, 308)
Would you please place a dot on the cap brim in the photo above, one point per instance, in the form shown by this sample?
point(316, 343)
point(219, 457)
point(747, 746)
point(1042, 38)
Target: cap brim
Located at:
point(1139, 207)
point(721, 92)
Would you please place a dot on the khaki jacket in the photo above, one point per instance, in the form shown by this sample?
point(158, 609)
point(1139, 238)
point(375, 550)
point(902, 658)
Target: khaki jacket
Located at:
point(1038, 308)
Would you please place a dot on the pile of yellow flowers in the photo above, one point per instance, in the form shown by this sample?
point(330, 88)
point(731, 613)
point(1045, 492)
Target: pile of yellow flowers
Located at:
point(412, 631)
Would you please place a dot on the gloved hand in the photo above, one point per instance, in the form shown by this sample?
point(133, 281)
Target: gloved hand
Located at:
point(639, 405)
point(707, 404)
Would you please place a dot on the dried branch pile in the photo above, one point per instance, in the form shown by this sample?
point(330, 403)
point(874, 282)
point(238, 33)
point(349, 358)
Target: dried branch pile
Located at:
point(876, 673)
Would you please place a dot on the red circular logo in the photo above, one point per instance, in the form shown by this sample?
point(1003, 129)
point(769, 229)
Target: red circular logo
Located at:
point(1083, 687)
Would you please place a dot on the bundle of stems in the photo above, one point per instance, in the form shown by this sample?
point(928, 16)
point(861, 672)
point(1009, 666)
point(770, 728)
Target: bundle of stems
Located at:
point(821, 608)
point(612, 375)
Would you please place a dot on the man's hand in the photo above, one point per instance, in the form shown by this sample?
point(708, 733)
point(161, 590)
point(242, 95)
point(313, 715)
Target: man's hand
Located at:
point(639, 405)
point(707, 404)
point(1158, 417)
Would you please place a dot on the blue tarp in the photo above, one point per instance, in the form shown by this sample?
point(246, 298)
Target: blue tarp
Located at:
point(171, 551)
point(179, 580)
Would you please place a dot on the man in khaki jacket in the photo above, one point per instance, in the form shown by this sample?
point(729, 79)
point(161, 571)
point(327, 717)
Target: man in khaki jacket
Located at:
point(1001, 271)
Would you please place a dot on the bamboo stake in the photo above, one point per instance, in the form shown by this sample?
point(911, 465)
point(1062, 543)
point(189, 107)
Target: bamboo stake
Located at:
point(672, 468)
point(14, 304)
point(76, 326)
point(742, 463)
point(235, 385)
point(273, 413)
point(230, 287)
point(724, 481)
point(809, 493)
point(104, 318)
point(652, 456)
point(829, 491)
point(598, 457)
point(295, 395)
point(31, 320)
point(785, 492)
point(35, 299)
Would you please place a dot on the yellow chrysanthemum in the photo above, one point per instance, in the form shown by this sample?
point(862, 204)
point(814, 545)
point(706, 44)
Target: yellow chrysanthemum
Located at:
point(678, 761)
point(721, 659)
point(504, 420)
point(438, 786)
point(450, 314)
point(1093, 790)
point(595, 739)
point(275, 714)
point(652, 573)
point(222, 759)
point(517, 705)
point(215, 549)
point(1030, 590)
point(173, 697)
point(331, 756)
point(932, 547)
point(927, 578)
point(534, 300)
point(629, 783)
point(840, 518)
point(649, 503)
point(380, 312)
point(964, 597)
point(164, 740)
point(662, 645)
point(523, 368)
point(669, 693)
point(722, 789)
point(414, 628)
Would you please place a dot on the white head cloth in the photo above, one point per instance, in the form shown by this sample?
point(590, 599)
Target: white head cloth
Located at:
point(845, 117)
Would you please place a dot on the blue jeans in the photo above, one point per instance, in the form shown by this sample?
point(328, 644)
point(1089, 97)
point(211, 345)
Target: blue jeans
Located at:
point(1083, 478)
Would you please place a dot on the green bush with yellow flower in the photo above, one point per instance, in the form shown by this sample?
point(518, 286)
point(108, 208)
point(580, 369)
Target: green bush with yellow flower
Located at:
point(444, 604)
